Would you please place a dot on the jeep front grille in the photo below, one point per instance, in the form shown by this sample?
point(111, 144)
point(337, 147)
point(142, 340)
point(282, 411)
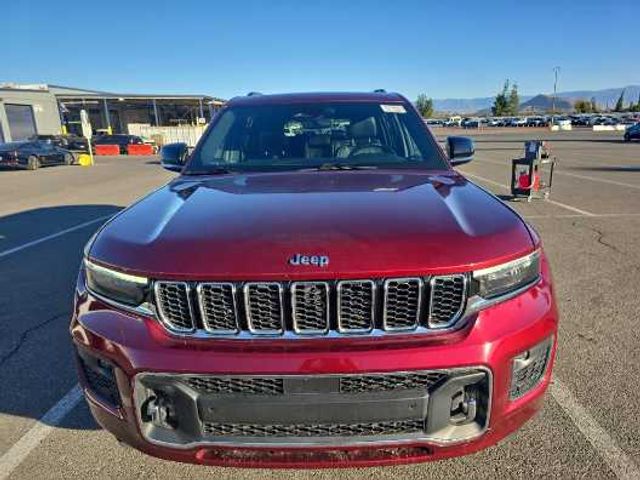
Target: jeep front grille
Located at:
point(402, 303)
point(174, 305)
point(356, 305)
point(313, 430)
point(447, 300)
point(313, 308)
point(310, 307)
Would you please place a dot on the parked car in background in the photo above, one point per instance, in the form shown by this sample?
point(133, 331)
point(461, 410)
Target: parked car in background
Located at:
point(32, 154)
point(535, 122)
point(471, 123)
point(121, 140)
point(632, 133)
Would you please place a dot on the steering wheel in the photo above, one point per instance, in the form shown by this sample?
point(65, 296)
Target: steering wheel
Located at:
point(362, 150)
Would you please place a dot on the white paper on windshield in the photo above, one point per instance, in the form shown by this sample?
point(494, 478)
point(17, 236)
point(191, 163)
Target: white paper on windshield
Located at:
point(393, 108)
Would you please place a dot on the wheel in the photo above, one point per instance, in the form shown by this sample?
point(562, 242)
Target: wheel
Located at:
point(626, 138)
point(33, 163)
point(69, 159)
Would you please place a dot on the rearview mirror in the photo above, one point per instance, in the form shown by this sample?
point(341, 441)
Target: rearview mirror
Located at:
point(173, 156)
point(460, 150)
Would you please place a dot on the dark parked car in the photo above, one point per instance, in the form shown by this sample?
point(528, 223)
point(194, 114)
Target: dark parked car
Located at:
point(67, 142)
point(119, 139)
point(632, 133)
point(32, 154)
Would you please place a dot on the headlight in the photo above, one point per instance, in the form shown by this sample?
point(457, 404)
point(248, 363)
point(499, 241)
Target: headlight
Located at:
point(503, 279)
point(120, 287)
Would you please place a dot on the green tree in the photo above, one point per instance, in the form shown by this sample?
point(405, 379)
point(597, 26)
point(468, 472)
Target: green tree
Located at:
point(636, 107)
point(501, 103)
point(594, 105)
point(582, 106)
point(620, 103)
point(424, 105)
point(514, 100)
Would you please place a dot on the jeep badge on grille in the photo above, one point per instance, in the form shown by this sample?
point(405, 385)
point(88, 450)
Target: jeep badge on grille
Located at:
point(316, 260)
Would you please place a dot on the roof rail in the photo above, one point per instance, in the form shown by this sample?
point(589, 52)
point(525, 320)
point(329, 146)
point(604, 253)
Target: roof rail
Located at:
point(379, 90)
point(253, 94)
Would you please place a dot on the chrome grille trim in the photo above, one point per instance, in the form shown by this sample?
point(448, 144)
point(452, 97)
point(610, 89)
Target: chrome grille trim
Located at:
point(165, 315)
point(431, 322)
point(342, 327)
point(248, 304)
point(335, 309)
point(207, 321)
point(295, 305)
point(416, 317)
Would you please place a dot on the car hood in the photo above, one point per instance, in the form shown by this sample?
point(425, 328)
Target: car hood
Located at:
point(373, 223)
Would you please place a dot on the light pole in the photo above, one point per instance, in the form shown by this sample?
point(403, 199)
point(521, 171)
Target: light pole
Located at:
point(556, 71)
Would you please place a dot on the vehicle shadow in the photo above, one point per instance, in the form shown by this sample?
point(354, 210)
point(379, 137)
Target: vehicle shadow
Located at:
point(40, 253)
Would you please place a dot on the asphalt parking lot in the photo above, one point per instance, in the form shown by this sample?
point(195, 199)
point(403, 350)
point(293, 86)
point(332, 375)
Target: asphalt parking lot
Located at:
point(589, 427)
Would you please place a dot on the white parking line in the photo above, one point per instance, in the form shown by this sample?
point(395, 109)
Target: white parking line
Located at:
point(36, 434)
point(553, 202)
point(578, 215)
point(614, 456)
point(52, 236)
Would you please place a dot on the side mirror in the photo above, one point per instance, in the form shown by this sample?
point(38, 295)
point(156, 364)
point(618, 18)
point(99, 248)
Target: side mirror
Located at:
point(460, 150)
point(173, 156)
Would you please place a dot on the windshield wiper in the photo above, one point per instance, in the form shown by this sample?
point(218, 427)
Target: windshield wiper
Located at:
point(340, 166)
point(211, 171)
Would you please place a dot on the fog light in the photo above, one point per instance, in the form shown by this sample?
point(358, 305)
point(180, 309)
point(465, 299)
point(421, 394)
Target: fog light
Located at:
point(159, 411)
point(529, 367)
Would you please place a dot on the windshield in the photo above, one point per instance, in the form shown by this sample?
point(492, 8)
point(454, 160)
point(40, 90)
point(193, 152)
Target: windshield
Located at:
point(323, 135)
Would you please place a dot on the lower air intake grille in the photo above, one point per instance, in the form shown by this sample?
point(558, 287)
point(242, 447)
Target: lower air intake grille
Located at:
point(447, 300)
point(529, 367)
point(314, 430)
point(230, 385)
point(100, 379)
point(389, 382)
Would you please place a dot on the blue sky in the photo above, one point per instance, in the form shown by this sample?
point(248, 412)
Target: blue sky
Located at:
point(227, 48)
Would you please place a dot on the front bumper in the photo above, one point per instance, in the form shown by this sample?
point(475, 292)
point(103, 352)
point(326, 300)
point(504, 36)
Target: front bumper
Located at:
point(145, 360)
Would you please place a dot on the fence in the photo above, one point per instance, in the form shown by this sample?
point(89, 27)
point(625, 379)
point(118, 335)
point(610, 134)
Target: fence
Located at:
point(162, 135)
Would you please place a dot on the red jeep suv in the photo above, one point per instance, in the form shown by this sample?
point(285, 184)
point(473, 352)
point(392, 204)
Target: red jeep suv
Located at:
point(318, 287)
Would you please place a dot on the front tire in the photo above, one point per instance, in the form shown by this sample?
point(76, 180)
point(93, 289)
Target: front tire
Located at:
point(69, 159)
point(33, 163)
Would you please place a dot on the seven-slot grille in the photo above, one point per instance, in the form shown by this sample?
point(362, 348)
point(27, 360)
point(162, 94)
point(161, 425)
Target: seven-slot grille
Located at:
point(312, 308)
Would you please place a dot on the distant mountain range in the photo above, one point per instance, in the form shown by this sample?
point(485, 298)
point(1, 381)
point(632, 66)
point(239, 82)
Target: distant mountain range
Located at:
point(604, 98)
point(543, 103)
